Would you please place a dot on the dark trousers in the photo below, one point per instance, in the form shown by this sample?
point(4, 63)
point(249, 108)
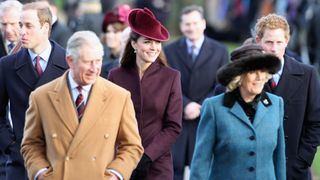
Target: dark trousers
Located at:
point(183, 148)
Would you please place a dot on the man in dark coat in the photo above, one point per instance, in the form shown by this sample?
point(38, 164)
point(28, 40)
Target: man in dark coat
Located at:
point(9, 26)
point(299, 86)
point(38, 62)
point(197, 57)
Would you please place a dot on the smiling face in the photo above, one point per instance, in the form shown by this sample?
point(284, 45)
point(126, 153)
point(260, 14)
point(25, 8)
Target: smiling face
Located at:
point(252, 83)
point(87, 67)
point(192, 25)
point(147, 50)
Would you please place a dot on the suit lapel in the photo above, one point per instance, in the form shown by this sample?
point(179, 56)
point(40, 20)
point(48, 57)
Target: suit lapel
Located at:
point(94, 108)
point(62, 102)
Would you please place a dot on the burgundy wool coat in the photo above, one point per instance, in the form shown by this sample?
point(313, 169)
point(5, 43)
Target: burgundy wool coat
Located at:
point(157, 100)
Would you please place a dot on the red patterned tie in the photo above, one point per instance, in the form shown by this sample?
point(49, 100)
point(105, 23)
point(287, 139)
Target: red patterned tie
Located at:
point(80, 103)
point(38, 67)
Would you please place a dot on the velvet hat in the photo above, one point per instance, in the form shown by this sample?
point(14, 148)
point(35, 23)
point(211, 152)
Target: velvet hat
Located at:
point(118, 14)
point(245, 59)
point(143, 22)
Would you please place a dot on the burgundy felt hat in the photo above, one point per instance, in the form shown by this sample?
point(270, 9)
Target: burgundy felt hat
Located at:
point(118, 14)
point(143, 22)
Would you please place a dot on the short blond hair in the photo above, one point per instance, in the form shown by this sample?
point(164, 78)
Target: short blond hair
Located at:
point(236, 81)
point(272, 21)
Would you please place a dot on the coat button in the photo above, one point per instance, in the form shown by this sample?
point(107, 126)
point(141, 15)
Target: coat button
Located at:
point(54, 135)
point(251, 169)
point(93, 158)
point(252, 138)
point(251, 153)
point(106, 136)
point(68, 158)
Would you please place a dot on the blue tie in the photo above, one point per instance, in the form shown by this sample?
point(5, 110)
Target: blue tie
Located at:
point(10, 47)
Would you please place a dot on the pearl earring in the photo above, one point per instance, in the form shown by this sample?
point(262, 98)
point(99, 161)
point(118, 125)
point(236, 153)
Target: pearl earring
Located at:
point(135, 51)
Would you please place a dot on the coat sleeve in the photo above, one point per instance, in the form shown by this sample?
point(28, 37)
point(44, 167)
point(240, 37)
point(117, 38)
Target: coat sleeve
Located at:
point(129, 150)
point(310, 137)
point(6, 134)
point(172, 121)
point(279, 153)
point(203, 157)
point(33, 147)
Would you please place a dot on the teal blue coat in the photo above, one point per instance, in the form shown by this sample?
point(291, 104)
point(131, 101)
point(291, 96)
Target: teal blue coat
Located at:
point(229, 146)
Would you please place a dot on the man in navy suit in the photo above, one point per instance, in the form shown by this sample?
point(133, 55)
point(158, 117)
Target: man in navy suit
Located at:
point(198, 58)
point(38, 62)
point(299, 86)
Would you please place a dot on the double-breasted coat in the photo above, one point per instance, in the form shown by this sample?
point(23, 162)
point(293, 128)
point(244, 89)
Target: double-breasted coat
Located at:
point(18, 79)
point(230, 147)
point(157, 102)
point(299, 86)
point(106, 138)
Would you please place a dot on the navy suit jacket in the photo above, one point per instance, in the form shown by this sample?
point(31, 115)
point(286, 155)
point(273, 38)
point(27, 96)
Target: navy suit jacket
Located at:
point(198, 78)
point(17, 79)
point(299, 87)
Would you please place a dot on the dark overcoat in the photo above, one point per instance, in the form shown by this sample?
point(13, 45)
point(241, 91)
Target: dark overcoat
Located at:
point(18, 79)
point(299, 87)
point(157, 102)
point(198, 80)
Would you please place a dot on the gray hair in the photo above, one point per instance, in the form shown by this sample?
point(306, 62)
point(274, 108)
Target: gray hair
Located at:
point(10, 4)
point(80, 39)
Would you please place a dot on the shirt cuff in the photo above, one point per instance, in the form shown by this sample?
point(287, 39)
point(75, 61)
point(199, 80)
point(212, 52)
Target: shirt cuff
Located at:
point(39, 172)
point(115, 173)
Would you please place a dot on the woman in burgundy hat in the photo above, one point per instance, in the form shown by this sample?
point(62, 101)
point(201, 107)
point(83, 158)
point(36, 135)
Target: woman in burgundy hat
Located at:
point(155, 91)
point(114, 23)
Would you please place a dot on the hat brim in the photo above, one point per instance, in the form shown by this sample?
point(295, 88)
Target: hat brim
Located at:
point(267, 62)
point(146, 25)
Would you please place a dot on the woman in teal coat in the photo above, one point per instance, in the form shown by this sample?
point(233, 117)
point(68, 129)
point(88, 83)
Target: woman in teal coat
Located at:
point(240, 135)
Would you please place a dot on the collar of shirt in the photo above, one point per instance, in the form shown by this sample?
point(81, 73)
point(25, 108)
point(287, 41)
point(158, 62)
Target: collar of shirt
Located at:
point(44, 55)
point(9, 42)
point(276, 76)
point(74, 90)
point(197, 45)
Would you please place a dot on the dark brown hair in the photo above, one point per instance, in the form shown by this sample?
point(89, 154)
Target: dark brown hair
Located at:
point(128, 59)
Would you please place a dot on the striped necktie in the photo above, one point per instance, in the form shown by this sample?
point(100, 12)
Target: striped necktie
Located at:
point(80, 103)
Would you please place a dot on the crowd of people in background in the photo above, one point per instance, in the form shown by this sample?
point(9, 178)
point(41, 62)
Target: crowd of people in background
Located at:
point(96, 89)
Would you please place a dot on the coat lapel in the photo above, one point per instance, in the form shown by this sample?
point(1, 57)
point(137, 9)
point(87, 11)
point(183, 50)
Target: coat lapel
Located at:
point(260, 113)
point(183, 54)
point(24, 68)
point(204, 54)
point(94, 108)
point(56, 65)
point(290, 79)
point(237, 111)
point(62, 102)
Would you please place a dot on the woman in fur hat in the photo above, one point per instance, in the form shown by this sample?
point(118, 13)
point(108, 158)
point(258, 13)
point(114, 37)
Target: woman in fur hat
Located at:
point(155, 91)
point(240, 135)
